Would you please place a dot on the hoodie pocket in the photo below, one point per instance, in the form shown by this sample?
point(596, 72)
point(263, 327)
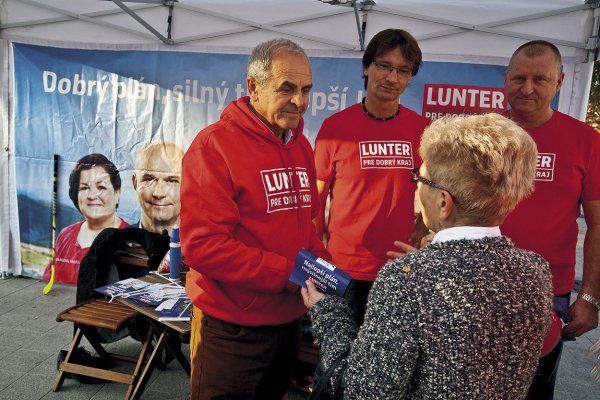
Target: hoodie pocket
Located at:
point(242, 299)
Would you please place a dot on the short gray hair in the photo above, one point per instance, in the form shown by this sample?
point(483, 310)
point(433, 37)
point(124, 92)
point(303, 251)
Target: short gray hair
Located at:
point(487, 163)
point(536, 48)
point(259, 62)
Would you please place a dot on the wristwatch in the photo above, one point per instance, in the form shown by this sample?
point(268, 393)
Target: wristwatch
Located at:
point(590, 299)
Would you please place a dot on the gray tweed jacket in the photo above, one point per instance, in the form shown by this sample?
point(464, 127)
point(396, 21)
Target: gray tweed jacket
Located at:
point(462, 319)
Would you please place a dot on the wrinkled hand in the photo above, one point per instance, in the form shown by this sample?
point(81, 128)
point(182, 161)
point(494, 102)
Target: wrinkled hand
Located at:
point(425, 240)
point(404, 248)
point(420, 240)
point(584, 317)
point(420, 231)
point(311, 295)
point(416, 237)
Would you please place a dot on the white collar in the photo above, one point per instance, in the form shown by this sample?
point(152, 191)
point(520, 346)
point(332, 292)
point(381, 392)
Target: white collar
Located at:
point(466, 232)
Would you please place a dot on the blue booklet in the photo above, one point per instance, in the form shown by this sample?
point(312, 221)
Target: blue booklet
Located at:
point(327, 277)
point(175, 309)
point(142, 293)
point(125, 288)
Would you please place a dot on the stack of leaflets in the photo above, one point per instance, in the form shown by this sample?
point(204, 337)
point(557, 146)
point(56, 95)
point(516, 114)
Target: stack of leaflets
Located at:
point(174, 310)
point(327, 277)
point(170, 299)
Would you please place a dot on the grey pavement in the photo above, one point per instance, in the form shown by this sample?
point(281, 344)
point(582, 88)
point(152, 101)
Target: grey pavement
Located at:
point(574, 380)
point(30, 339)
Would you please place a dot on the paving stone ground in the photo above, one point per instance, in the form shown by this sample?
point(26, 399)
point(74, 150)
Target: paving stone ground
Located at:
point(30, 339)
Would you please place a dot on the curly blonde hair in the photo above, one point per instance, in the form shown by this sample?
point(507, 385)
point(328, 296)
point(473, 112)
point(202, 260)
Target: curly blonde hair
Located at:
point(487, 163)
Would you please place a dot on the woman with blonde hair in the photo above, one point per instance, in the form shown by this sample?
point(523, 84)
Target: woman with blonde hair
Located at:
point(466, 316)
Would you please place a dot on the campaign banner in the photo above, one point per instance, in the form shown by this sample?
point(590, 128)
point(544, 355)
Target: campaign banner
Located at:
point(121, 120)
point(444, 99)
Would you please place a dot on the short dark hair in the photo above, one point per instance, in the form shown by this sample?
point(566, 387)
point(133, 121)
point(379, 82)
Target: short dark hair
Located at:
point(389, 39)
point(536, 48)
point(88, 162)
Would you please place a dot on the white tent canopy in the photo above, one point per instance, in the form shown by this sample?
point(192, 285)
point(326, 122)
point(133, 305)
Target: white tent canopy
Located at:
point(451, 30)
point(457, 30)
point(457, 27)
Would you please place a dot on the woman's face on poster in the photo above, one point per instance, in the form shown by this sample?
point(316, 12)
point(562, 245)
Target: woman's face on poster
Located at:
point(97, 197)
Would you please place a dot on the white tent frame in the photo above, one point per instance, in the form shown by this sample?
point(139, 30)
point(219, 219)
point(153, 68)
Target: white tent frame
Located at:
point(455, 27)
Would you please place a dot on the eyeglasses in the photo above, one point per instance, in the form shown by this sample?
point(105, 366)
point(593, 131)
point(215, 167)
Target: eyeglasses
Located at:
point(415, 177)
point(401, 71)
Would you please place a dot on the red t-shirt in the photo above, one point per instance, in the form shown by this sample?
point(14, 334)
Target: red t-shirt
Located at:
point(368, 164)
point(68, 254)
point(568, 173)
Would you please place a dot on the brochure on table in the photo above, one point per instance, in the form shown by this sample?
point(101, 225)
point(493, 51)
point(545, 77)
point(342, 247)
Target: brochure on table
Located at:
point(170, 299)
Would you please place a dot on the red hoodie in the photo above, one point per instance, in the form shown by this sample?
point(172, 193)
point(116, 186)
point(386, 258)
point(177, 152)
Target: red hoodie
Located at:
point(247, 204)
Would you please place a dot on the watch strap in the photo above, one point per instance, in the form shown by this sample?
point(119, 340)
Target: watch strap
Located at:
point(590, 299)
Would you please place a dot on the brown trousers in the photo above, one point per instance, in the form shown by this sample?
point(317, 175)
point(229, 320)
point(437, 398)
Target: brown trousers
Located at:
point(232, 361)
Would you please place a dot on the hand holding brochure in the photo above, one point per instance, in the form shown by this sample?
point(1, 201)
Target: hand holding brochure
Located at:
point(327, 277)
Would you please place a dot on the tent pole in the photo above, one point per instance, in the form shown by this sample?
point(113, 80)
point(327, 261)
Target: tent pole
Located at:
point(361, 37)
point(593, 39)
point(170, 22)
point(141, 21)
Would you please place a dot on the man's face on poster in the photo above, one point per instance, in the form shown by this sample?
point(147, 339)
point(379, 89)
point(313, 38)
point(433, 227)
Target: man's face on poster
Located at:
point(157, 187)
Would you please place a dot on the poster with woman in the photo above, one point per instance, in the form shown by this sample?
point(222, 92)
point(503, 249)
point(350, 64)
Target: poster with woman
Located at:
point(94, 189)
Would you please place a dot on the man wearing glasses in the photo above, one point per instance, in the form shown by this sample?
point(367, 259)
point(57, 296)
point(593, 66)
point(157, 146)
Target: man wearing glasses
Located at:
point(364, 157)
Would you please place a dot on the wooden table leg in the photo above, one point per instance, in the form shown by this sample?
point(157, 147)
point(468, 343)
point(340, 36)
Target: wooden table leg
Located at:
point(149, 367)
point(185, 364)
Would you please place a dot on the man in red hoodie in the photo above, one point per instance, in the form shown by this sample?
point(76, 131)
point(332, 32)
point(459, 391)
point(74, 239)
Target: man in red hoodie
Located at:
point(248, 197)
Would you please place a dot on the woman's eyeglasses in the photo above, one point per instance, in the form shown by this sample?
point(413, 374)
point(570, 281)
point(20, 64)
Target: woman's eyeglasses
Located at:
point(415, 177)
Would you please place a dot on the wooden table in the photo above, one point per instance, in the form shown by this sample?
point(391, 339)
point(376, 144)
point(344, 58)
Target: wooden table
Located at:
point(167, 332)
